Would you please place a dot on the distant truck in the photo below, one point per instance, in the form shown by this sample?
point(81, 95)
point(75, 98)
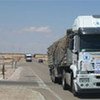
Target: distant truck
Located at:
point(28, 57)
point(74, 60)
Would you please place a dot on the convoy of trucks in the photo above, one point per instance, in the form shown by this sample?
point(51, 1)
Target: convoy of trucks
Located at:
point(74, 60)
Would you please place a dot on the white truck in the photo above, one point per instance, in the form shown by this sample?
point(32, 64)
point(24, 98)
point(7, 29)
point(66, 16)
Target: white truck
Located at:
point(28, 57)
point(75, 59)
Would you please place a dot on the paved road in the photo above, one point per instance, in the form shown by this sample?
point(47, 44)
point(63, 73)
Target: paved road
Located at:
point(50, 90)
point(35, 77)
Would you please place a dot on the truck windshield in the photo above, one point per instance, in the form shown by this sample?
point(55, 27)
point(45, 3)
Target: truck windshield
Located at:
point(28, 56)
point(90, 42)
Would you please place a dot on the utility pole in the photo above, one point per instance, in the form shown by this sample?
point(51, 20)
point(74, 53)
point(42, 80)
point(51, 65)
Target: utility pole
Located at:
point(3, 71)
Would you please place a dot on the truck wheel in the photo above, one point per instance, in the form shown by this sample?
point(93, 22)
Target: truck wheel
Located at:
point(73, 90)
point(73, 87)
point(53, 77)
point(64, 85)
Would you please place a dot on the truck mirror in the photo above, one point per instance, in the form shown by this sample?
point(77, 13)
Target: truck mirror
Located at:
point(69, 31)
point(76, 44)
point(75, 51)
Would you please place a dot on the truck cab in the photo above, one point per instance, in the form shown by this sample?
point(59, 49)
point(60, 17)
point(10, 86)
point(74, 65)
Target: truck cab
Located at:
point(85, 48)
point(28, 57)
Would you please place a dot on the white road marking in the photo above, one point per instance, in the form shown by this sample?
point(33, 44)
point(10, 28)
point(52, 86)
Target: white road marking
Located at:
point(43, 85)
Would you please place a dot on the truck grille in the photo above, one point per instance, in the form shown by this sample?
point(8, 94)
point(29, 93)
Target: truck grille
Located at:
point(97, 84)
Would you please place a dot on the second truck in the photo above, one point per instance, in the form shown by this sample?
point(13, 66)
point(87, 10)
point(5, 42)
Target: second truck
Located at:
point(74, 59)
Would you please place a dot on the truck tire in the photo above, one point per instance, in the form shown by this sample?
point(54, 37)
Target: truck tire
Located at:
point(64, 84)
point(73, 90)
point(73, 86)
point(53, 77)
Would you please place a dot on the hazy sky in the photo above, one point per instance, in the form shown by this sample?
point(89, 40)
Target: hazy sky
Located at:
point(33, 25)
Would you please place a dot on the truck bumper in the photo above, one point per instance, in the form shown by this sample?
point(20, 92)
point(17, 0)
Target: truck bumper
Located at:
point(88, 89)
point(28, 60)
point(89, 83)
